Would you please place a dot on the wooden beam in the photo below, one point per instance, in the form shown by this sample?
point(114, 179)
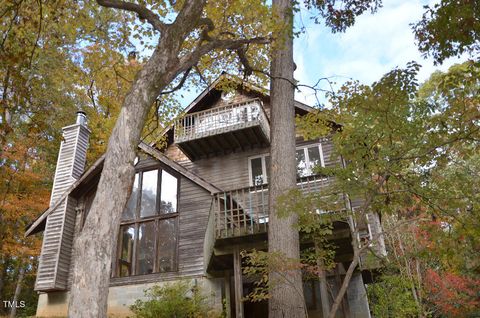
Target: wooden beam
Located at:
point(227, 295)
point(237, 276)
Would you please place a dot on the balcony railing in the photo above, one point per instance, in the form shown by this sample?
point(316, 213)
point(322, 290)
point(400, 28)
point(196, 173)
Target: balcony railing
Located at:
point(245, 211)
point(221, 120)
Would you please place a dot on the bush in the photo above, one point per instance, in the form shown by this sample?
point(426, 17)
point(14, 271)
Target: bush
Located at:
point(179, 299)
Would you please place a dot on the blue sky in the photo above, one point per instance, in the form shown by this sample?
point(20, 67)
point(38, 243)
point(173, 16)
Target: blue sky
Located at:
point(373, 46)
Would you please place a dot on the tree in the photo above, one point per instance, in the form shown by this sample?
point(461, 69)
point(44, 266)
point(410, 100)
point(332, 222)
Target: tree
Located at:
point(286, 288)
point(47, 68)
point(181, 45)
point(286, 294)
point(402, 146)
point(449, 28)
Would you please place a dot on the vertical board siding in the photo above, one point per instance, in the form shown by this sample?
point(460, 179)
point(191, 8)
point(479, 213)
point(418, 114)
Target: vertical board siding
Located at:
point(231, 171)
point(194, 209)
point(54, 263)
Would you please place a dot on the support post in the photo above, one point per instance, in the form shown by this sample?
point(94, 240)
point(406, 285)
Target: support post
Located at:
point(237, 275)
point(322, 277)
point(227, 298)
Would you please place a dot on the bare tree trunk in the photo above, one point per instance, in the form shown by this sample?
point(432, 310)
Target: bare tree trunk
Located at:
point(345, 284)
point(286, 295)
point(18, 290)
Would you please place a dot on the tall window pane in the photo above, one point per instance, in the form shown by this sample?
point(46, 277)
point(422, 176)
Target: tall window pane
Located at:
point(257, 171)
point(313, 158)
point(145, 248)
point(167, 245)
point(168, 196)
point(127, 237)
point(301, 163)
point(129, 212)
point(149, 193)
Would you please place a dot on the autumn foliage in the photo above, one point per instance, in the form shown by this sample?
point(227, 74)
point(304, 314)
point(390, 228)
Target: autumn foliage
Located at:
point(454, 295)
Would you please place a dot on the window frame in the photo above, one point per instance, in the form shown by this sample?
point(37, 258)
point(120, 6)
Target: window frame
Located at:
point(307, 156)
point(137, 221)
point(264, 167)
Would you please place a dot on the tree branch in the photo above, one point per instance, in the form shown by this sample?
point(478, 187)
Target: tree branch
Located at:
point(180, 84)
point(142, 12)
point(190, 59)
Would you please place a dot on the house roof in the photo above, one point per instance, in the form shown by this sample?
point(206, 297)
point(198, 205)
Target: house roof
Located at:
point(39, 224)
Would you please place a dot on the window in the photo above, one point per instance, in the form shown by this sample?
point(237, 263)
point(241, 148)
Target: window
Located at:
point(258, 167)
point(148, 230)
point(308, 157)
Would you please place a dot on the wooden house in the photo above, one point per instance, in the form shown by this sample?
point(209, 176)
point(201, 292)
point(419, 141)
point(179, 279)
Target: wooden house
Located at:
point(195, 204)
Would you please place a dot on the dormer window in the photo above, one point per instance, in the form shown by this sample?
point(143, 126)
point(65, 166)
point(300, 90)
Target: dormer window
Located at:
point(148, 230)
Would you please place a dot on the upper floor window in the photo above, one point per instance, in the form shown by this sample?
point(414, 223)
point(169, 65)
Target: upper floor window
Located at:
point(259, 169)
point(307, 158)
point(149, 226)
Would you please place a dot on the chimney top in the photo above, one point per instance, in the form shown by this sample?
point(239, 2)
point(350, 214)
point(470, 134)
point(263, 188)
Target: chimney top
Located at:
point(81, 118)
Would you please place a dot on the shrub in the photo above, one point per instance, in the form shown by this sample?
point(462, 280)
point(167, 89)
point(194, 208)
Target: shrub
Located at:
point(179, 300)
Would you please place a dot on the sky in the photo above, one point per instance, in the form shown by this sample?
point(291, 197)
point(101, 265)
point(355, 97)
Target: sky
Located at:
point(376, 44)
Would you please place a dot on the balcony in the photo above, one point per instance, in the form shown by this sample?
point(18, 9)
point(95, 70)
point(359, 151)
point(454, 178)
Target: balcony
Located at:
point(223, 130)
point(239, 218)
point(244, 211)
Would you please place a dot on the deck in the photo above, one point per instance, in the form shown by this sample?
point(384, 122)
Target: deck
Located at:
point(239, 217)
point(223, 130)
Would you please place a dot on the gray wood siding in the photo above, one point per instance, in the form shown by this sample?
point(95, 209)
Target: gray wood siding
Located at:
point(231, 171)
point(54, 262)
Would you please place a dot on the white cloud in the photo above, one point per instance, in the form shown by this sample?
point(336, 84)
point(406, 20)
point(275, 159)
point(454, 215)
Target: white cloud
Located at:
point(373, 46)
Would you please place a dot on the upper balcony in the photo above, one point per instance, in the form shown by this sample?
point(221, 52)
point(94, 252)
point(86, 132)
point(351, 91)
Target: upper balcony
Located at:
point(223, 130)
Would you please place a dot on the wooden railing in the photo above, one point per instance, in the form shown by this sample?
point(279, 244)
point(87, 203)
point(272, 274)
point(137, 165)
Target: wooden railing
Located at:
point(245, 211)
point(221, 119)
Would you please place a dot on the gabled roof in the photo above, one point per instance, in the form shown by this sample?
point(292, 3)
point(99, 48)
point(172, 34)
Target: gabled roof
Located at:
point(39, 224)
point(239, 81)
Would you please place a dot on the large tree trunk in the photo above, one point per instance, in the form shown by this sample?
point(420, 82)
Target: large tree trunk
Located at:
point(18, 290)
point(93, 247)
point(286, 294)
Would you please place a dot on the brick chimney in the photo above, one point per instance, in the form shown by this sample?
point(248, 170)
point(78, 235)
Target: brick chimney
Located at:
point(59, 230)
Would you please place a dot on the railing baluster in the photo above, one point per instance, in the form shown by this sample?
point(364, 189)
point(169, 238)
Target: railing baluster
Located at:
point(232, 216)
point(217, 215)
point(245, 212)
point(225, 212)
point(252, 215)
